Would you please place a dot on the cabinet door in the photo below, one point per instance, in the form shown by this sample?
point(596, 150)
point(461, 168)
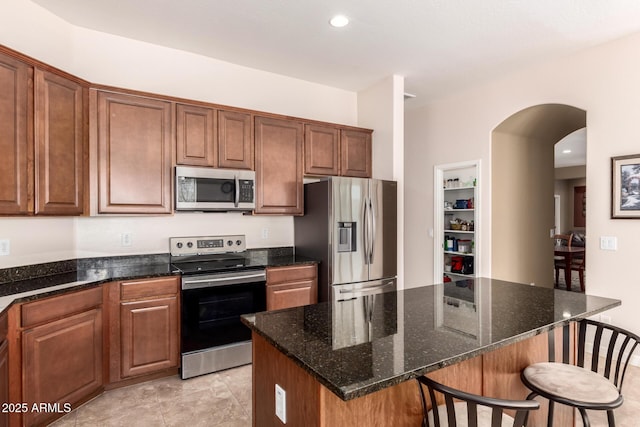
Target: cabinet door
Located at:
point(355, 153)
point(235, 144)
point(60, 142)
point(195, 135)
point(278, 166)
point(321, 150)
point(62, 362)
point(134, 154)
point(148, 336)
point(15, 137)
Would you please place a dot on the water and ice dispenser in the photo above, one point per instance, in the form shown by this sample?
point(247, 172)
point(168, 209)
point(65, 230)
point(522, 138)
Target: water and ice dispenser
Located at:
point(347, 236)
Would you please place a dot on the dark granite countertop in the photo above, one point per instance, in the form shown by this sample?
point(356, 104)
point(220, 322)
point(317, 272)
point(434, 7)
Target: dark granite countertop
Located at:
point(27, 283)
point(364, 345)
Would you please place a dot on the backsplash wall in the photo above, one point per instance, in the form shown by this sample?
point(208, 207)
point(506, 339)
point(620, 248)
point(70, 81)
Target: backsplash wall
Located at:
point(39, 240)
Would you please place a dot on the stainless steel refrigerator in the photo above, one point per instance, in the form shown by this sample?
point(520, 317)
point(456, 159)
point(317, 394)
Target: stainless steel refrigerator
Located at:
point(350, 226)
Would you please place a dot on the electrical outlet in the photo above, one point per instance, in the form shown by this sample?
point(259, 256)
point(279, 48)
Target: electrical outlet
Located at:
point(126, 239)
point(265, 233)
point(281, 404)
point(5, 247)
point(605, 319)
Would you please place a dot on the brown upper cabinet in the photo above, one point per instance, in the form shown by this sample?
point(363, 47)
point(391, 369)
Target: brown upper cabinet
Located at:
point(321, 150)
point(134, 140)
point(278, 144)
point(43, 138)
point(195, 135)
point(332, 151)
point(15, 136)
point(355, 153)
point(207, 137)
point(235, 140)
point(60, 144)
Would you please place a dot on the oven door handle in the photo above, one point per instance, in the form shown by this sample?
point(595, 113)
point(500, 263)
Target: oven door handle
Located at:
point(221, 281)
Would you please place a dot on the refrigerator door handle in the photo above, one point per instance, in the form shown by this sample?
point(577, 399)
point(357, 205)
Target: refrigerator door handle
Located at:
point(365, 232)
point(372, 240)
point(350, 294)
point(375, 287)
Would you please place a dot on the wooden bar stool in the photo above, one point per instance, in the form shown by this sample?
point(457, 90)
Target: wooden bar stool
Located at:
point(595, 383)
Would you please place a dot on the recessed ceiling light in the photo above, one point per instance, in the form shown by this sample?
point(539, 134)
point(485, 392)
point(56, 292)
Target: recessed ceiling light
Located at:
point(566, 151)
point(339, 21)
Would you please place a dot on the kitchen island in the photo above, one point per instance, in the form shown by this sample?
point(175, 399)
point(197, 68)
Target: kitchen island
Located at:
point(352, 363)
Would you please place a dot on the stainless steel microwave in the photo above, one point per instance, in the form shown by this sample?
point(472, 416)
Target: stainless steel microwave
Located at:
point(209, 189)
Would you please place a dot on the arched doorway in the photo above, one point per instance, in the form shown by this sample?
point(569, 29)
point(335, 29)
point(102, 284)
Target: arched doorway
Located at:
point(522, 191)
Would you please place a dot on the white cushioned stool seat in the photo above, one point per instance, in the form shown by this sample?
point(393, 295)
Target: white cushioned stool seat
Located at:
point(571, 382)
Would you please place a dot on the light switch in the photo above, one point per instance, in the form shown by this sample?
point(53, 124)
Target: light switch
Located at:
point(608, 243)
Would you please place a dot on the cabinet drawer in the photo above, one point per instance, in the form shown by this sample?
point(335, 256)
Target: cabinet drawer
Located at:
point(291, 295)
point(288, 274)
point(149, 287)
point(53, 308)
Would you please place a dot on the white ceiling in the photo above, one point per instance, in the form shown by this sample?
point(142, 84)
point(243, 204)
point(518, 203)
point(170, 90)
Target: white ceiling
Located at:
point(438, 45)
point(576, 143)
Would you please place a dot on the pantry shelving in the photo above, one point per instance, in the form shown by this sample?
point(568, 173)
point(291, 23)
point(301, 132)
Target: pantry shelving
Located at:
point(456, 225)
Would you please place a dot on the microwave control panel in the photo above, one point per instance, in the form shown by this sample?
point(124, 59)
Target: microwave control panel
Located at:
point(246, 190)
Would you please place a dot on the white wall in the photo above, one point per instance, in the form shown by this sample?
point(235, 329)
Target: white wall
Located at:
point(604, 82)
point(381, 107)
point(106, 59)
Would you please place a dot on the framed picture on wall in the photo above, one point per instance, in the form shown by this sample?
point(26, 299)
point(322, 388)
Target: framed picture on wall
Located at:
point(625, 186)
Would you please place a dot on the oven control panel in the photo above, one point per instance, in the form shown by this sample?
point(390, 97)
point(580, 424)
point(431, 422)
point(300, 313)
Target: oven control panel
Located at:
point(202, 245)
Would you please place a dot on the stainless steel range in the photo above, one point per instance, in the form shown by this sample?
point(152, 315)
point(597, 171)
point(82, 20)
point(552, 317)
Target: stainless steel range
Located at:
point(219, 284)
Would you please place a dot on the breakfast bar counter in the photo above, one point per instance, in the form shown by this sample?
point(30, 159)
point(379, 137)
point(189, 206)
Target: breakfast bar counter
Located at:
point(350, 362)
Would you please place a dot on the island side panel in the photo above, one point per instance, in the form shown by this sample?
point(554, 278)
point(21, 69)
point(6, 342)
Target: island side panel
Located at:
point(398, 405)
point(271, 367)
point(502, 367)
point(466, 375)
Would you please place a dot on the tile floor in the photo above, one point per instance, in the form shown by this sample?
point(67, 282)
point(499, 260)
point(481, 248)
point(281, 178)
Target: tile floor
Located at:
point(223, 399)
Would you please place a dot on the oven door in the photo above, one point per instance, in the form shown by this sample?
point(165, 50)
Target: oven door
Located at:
point(213, 335)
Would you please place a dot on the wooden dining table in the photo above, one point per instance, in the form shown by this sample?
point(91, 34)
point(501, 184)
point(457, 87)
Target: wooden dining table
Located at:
point(568, 253)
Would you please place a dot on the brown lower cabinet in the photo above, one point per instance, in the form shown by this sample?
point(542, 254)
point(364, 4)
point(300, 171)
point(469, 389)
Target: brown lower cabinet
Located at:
point(61, 353)
point(144, 327)
point(292, 286)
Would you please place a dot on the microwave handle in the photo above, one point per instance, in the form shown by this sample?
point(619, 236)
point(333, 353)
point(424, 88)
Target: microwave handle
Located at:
point(237, 199)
